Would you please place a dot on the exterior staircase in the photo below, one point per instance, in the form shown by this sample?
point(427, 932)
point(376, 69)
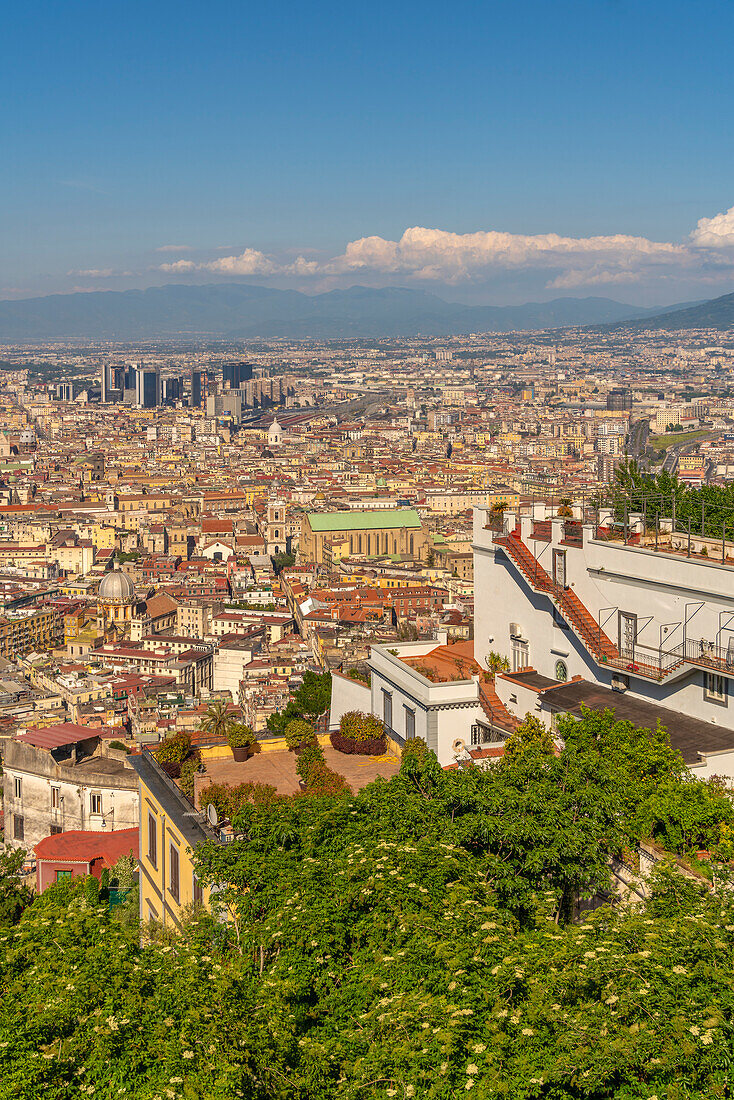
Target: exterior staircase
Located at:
point(495, 709)
point(588, 630)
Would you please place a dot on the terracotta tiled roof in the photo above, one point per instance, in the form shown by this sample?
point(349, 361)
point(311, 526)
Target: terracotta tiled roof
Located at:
point(85, 846)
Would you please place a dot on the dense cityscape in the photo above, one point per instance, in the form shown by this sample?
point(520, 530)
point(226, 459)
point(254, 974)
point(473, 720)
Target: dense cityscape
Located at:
point(367, 551)
point(249, 590)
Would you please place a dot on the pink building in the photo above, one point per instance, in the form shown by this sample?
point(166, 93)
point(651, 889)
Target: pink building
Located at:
point(81, 853)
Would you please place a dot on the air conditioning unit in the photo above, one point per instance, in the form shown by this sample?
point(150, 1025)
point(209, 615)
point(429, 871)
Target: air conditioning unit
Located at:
point(515, 631)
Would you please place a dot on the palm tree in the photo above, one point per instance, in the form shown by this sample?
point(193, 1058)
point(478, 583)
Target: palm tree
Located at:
point(217, 720)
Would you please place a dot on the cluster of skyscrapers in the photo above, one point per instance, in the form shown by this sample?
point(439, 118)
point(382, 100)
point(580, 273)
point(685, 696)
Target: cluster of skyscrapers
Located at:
point(141, 385)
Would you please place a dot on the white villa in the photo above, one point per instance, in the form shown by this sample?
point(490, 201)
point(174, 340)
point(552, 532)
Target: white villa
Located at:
point(587, 616)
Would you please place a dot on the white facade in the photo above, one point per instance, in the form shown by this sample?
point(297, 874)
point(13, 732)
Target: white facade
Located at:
point(658, 625)
point(412, 706)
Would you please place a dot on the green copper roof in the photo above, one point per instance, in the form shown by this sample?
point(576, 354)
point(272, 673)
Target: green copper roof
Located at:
point(364, 521)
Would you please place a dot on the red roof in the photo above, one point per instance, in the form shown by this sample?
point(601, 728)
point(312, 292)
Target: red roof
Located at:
point(64, 733)
point(79, 845)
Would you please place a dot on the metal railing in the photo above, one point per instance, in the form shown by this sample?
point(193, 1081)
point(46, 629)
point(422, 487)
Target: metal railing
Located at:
point(641, 660)
point(705, 653)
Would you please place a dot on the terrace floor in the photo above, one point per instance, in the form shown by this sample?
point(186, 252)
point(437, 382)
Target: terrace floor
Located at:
point(279, 769)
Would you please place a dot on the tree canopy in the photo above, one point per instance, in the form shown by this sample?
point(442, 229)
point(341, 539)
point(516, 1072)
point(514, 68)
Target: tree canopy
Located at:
point(412, 940)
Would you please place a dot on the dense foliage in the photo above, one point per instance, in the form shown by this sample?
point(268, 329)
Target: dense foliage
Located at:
point(309, 701)
point(411, 940)
point(299, 733)
point(240, 736)
point(174, 749)
point(709, 510)
point(360, 733)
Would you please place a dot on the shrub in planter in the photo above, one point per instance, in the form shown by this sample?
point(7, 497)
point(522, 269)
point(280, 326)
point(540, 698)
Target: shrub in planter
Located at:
point(311, 756)
point(174, 749)
point(376, 746)
point(360, 733)
point(241, 739)
point(299, 734)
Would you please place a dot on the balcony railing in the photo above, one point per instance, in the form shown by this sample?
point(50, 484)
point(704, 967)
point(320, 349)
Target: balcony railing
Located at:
point(706, 654)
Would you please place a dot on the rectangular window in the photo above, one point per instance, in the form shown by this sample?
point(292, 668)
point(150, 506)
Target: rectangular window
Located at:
point(174, 882)
point(409, 722)
point(387, 708)
point(152, 840)
point(18, 827)
point(715, 687)
point(95, 803)
point(18, 787)
point(56, 829)
point(55, 798)
point(198, 892)
point(520, 656)
point(62, 875)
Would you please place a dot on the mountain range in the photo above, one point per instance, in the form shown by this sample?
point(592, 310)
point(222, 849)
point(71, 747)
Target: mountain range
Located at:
point(242, 311)
point(717, 313)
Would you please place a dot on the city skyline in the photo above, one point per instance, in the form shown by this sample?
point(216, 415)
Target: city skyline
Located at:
point(492, 156)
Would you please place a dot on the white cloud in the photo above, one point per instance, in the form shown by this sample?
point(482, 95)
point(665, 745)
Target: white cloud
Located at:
point(442, 256)
point(100, 273)
point(174, 248)
point(716, 232)
point(249, 262)
point(180, 265)
point(457, 257)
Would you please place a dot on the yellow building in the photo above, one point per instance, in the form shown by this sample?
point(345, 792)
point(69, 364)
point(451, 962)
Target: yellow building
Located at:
point(29, 630)
point(170, 831)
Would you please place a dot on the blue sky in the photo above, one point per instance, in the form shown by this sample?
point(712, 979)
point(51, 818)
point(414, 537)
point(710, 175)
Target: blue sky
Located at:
point(528, 142)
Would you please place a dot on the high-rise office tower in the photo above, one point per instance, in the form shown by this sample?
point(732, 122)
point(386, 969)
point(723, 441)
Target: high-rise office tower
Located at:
point(171, 390)
point(619, 400)
point(234, 374)
point(105, 381)
point(195, 399)
point(147, 387)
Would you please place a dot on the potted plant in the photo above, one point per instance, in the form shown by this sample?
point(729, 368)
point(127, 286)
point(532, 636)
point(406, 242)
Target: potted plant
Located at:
point(298, 735)
point(241, 739)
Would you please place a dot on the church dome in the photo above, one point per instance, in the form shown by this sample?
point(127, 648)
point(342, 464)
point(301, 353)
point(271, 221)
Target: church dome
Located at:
point(116, 587)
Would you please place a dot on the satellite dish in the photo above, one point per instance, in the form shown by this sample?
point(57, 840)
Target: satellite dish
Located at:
point(212, 815)
point(458, 746)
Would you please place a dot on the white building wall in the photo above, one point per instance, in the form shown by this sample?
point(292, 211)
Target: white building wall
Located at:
point(346, 695)
point(70, 809)
point(444, 712)
point(661, 589)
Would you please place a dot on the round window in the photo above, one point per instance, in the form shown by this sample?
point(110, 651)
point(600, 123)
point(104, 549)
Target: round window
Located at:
point(561, 670)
